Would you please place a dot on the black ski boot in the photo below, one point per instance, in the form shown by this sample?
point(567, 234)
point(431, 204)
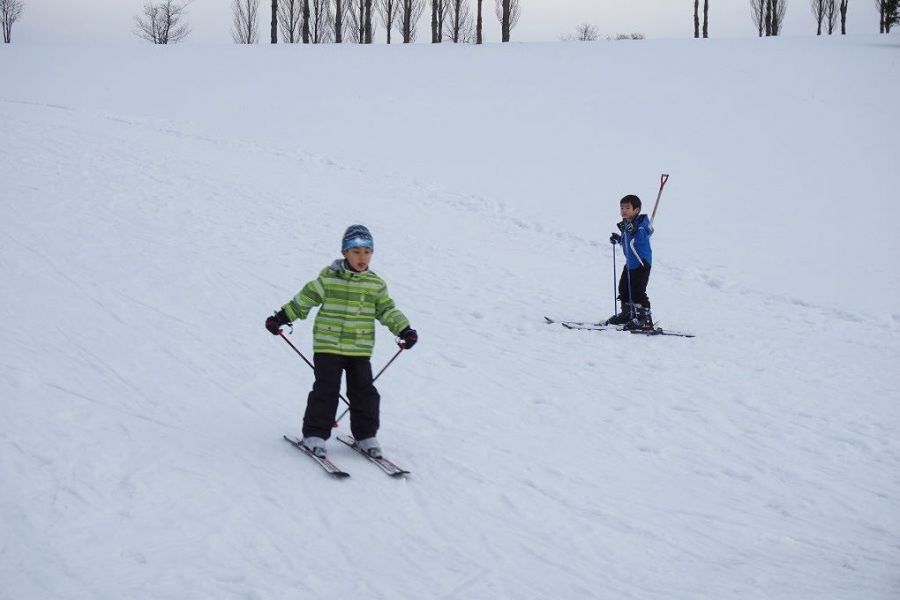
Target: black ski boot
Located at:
point(643, 320)
point(623, 317)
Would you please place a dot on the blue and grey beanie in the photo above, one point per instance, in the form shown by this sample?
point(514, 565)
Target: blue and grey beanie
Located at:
point(357, 236)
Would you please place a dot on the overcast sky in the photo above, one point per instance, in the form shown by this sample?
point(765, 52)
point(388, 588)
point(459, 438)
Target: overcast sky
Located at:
point(542, 20)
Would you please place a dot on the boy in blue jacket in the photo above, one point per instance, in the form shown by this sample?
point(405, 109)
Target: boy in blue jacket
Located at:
point(636, 230)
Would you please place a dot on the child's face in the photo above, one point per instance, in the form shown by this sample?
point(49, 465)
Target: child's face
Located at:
point(627, 211)
point(358, 258)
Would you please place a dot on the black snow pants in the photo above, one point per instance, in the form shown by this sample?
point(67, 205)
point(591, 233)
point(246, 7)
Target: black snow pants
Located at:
point(322, 403)
point(638, 278)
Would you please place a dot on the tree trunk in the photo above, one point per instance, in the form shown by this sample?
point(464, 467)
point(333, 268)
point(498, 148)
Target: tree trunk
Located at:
point(274, 30)
point(504, 27)
point(434, 20)
point(305, 25)
point(338, 21)
point(775, 22)
point(696, 18)
point(705, 19)
point(478, 25)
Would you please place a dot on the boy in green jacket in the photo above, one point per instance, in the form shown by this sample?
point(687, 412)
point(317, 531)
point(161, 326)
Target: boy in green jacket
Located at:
point(351, 297)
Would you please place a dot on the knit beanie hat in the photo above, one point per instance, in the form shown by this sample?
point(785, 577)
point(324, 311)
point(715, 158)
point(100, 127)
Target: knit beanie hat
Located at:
point(357, 236)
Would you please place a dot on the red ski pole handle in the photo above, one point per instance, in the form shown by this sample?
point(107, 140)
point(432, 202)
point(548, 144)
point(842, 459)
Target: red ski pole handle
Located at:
point(662, 183)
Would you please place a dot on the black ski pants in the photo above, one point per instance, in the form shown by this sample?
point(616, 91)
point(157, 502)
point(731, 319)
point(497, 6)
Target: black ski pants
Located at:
point(638, 279)
point(322, 403)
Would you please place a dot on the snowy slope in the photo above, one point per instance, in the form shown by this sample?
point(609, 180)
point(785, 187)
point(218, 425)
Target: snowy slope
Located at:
point(151, 223)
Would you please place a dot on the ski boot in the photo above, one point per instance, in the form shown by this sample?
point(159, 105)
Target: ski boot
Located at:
point(642, 320)
point(316, 445)
point(370, 446)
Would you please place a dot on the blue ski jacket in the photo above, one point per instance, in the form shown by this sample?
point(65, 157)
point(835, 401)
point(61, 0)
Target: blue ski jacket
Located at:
point(636, 243)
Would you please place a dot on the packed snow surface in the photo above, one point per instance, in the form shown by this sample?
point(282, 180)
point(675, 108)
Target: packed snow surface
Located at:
point(159, 202)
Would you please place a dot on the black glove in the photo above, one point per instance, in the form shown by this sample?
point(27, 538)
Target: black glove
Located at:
point(615, 239)
point(408, 337)
point(627, 226)
point(274, 323)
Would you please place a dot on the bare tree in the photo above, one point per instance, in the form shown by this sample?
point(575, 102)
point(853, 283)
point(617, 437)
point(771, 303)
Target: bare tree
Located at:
point(409, 14)
point(478, 25)
point(161, 23)
point(831, 15)
point(304, 14)
point(818, 10)
point(758, 11)
point(843, 9)
point(888, 14)
point(359, 21)
point(290, 20)
point(585, 33)
point(273, 32)
point(245, 21)
point(320, 22)
point(891, 14)
point(10, 11)
point(705, 19)
point(459, 22)
point(388, 10)
point(369, 24)
point(880, 4)
point(696, 19)
point(439, 10)
point(775, 11)
point(508, 14)
point(339, 6)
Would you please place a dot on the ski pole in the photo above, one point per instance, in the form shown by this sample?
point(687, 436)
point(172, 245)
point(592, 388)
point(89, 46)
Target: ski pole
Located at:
point(631, 309)
point(662, 183)
point(615, 308)
point(374, 379)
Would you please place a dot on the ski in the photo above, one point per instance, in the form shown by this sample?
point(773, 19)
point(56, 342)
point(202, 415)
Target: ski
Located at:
point(326, 464)
point(586, 326)
point(383, 463)
point(575, 324)
point(661, 331)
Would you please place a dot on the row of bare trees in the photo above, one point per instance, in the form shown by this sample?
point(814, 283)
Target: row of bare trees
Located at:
point(10, 11)
point(768, 15)
point(826, 13)
point(323, 21)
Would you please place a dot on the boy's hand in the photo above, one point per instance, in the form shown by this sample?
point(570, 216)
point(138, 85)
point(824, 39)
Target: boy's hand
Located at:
point(408, 337)
point(274, 323)
point(615, 239)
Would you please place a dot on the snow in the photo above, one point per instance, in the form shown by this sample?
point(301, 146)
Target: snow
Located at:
point(159, 203)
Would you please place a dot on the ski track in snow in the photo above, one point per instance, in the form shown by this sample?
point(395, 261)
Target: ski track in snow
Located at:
point(144, 403)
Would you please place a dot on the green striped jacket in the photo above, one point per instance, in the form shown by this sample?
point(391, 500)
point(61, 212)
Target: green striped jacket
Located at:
point(350, 303)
